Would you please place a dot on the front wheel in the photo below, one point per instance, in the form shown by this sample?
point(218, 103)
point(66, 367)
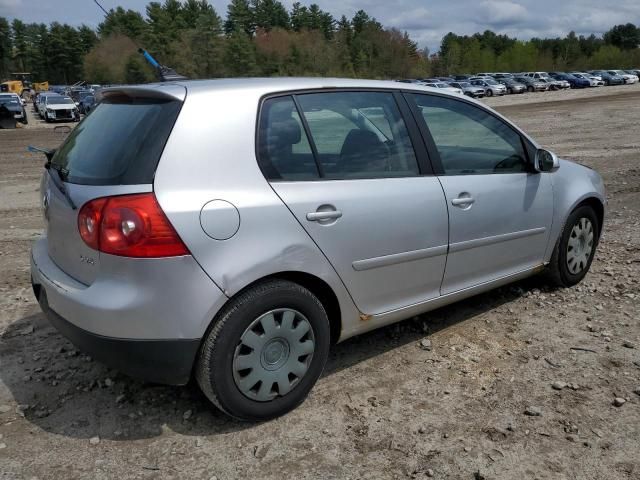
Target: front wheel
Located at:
point(489, 93)
point(265, 351)
point(530, 89)
point(576, 248)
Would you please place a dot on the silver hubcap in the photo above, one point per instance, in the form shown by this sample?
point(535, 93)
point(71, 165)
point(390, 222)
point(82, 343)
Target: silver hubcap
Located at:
point(580, 246)
point(273, 354)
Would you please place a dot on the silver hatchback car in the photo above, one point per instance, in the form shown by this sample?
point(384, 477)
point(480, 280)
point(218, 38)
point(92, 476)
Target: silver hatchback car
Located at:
point(233, 229)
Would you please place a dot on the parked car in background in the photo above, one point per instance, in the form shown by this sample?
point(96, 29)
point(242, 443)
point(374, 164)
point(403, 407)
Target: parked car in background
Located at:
point(574, 81)
point(442, 86)
point(241, 262)
point(446, 79)
point(40, 101)
point(532, 84)
point(87, 104)
point(553, 84)
point(12, 102)
point(462, 77)
point(468, 89)
point(607, 77)
point(501, 75)
point(491, 87)
point(628, 78)
point(593, 81)
point(78, 95)
point(59, 108)
point(513, 86)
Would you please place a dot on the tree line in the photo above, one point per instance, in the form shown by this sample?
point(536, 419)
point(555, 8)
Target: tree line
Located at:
point(490, 52)
point(263, 38)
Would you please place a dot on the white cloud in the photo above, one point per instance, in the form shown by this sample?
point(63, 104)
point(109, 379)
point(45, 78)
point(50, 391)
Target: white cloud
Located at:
point(7, 6)
point(414, 18)
point(502, 12)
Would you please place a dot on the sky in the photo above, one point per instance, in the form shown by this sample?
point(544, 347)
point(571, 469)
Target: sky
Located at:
point(425, 20)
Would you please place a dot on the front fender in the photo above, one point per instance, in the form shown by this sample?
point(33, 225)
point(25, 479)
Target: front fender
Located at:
point(572, 184)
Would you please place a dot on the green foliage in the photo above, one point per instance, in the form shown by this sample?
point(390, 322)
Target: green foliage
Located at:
point(625, 37)
point(491, 52)
point(136, 70)
point(6, 47)
point(260, 37)
point(240, 55)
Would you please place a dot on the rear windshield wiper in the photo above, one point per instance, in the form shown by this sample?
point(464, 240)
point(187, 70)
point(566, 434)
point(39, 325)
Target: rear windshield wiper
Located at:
point(62, 176)
point(61, 172)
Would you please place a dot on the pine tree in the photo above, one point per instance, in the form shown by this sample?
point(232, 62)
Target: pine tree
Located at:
point(6, 48)
point(269, 14)
point(239, 18)
point(240, 55)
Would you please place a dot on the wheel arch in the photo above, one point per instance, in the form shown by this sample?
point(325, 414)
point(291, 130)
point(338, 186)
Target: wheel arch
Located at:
point(596, 204)
point(315, 285)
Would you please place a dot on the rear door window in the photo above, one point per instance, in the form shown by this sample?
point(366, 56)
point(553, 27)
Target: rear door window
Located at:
point(351, 135)
point(358, 135)
point(120, 143)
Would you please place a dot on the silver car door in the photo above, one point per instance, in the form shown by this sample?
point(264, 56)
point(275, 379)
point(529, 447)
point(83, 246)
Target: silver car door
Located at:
point(500, 211)
point(357, 190)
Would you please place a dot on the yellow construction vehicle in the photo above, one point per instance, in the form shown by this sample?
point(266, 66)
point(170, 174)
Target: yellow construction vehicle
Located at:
point(21, 84)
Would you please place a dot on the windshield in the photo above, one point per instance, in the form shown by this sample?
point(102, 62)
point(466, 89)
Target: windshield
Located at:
point(8, 101)
point(120, 143)
point(59, 101)
point(464, 84)
point(492, 82)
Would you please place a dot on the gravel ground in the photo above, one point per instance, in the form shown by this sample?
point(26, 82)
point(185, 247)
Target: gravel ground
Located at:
point(520, 382)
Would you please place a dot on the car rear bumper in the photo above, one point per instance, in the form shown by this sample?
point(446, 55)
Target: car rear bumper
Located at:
point(135, 310)
point(161, 361)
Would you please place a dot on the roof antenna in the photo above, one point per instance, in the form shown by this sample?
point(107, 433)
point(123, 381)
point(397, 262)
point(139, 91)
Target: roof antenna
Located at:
point(165, 74)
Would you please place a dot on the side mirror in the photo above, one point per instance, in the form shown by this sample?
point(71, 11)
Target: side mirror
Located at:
point(546, 161)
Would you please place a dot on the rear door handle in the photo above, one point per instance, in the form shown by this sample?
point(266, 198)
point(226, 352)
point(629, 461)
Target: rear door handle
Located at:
point(324, 215)
point(457, 202)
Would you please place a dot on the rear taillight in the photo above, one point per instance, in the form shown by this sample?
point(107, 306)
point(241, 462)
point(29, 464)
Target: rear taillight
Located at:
point(129, 226)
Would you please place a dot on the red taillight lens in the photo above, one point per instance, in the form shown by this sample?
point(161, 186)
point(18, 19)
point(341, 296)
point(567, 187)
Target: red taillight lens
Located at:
point(129, 226)
point(89, 220)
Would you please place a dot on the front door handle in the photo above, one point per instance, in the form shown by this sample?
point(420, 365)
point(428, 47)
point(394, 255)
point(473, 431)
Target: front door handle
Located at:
point(323, 216)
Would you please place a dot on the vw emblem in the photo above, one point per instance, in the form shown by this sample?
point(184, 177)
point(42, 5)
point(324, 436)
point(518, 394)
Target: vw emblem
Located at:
point(46, 199)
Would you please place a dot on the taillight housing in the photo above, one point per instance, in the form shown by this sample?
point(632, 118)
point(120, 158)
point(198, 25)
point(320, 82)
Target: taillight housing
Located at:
point(129, 226)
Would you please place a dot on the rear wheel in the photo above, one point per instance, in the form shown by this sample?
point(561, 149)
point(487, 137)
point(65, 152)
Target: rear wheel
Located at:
point(265, 351)
point(576, 248)
point(530, 89)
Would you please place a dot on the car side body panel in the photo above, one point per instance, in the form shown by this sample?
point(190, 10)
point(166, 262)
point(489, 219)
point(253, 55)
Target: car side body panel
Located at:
point(208, 157)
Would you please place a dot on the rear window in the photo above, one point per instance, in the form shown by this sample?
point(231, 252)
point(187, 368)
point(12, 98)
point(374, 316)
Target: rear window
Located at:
point(120, 143)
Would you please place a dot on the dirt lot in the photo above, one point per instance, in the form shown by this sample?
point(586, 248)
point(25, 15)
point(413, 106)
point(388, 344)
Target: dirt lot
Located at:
point(385, 408)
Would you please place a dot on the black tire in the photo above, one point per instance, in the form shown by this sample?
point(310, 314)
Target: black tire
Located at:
point(558, 270)
point(46, 118)
point(489, 93)
point(530, 89)
point(510, 91)
point(214, 367)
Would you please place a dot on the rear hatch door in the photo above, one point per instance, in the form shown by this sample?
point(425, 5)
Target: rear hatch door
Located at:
point(113, 151)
